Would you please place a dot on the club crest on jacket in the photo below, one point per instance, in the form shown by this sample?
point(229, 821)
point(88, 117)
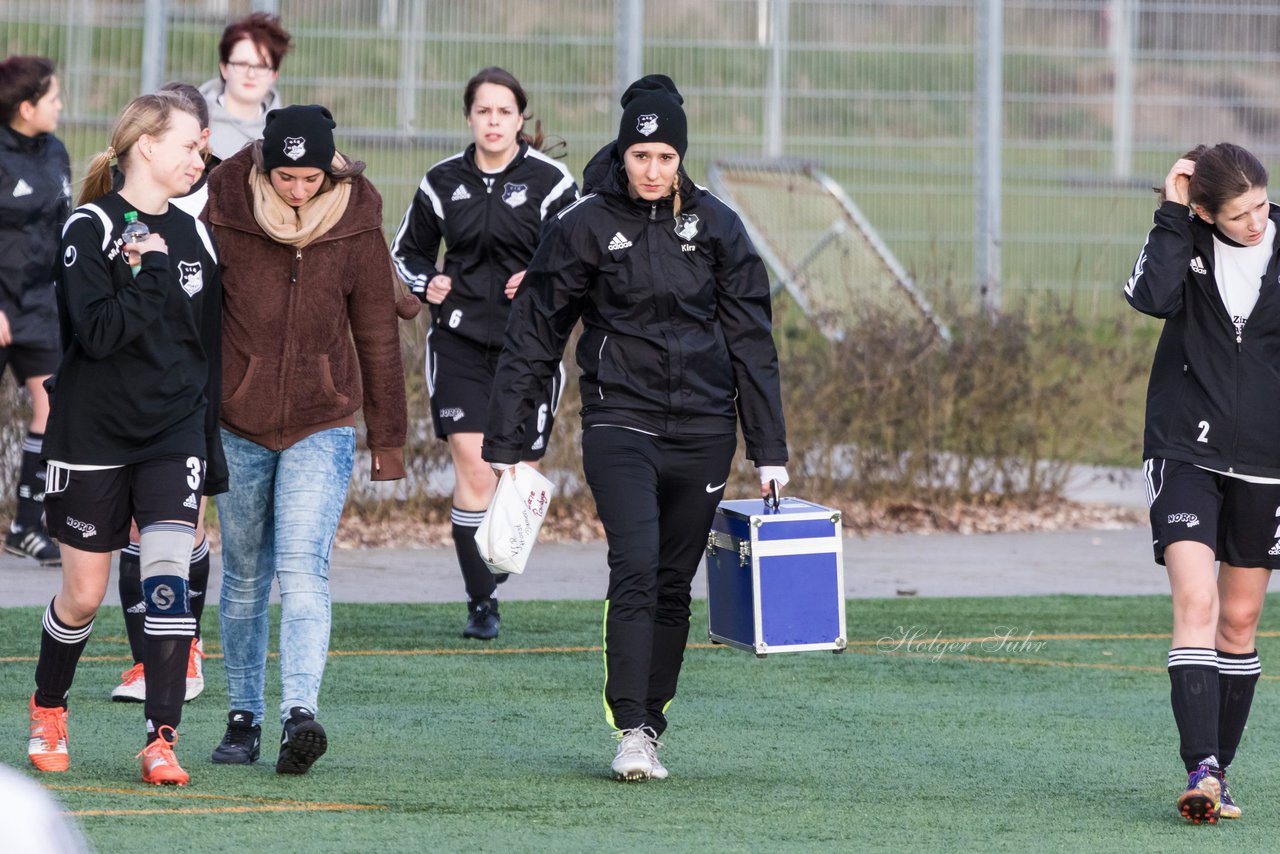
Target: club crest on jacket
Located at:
point(515, 195)
point(191, 277)
point(687, 226)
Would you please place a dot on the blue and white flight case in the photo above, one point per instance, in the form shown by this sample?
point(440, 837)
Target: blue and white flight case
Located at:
point(775, 577)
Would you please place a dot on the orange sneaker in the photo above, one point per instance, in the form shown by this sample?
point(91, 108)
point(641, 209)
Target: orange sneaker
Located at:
point(159, 765)
point(132, 687)
point(48, 745)
point(195, 670)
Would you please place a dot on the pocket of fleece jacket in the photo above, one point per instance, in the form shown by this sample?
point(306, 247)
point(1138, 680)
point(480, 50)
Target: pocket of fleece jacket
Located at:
point(313, 397)
point(250, 405)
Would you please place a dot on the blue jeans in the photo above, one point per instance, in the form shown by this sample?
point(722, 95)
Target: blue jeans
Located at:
point(278, 521)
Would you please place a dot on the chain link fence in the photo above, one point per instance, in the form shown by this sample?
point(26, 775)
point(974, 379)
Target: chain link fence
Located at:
point(1099, 97)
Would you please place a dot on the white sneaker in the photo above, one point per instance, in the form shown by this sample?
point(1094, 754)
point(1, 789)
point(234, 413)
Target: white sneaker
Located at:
point(632, 762)
point(195, 670)
point(132, 687)
point(659, 771)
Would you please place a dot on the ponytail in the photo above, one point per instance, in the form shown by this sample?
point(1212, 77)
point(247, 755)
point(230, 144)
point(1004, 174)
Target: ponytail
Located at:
point(146, 115)
point(98, 180)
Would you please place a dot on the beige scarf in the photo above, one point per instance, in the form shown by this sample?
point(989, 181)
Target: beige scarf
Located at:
point(303, 225)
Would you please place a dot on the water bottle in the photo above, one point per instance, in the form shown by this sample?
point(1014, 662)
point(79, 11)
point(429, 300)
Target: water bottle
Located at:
point(133, 232)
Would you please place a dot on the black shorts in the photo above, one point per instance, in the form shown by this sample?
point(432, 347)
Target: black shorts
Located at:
point(1239, 520)
point(91, 510)
point(460, 379)
point(28, 362)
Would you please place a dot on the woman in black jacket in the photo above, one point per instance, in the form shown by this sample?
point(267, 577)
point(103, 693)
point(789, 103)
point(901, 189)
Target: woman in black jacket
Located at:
point(1209, 268)
point(676, 347)
point(35, 199)
point(488, 204)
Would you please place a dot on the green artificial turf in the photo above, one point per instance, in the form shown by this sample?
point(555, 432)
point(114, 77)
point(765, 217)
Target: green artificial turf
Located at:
point(1013, 724)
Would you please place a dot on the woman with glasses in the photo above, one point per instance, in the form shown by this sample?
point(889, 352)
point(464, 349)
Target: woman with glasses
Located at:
point(249, 55)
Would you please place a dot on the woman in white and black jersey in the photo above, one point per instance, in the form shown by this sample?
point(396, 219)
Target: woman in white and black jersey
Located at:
point(133, 680)
point(488, 205)
point(134, 414)
point(1209, 269)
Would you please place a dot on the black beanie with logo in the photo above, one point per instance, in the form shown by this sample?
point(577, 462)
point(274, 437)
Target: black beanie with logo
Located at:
point(299, 136)
point(651, 112)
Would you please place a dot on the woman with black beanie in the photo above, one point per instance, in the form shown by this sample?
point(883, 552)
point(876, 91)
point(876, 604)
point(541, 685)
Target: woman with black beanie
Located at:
point(676, 348)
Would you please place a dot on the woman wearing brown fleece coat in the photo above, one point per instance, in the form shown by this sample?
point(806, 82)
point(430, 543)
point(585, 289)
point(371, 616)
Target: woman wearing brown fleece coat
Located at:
point(309, 337)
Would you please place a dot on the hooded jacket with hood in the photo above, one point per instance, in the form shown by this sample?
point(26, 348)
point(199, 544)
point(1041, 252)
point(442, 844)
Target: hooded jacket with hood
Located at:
point(35, 200)
point(228, 134)
point(310, 335)
point(676, 313)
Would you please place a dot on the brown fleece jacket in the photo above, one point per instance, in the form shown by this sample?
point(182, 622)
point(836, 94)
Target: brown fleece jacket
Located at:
point(308, 335)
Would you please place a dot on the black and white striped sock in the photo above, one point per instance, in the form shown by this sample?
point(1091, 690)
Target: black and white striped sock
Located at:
point(476, 576)
point(1238, 675)
point(60, 648)
point(1193, 683)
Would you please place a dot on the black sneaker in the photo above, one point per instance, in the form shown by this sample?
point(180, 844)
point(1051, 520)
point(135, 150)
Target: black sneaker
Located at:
point(301, 743)
point(33, 544)
point(482, 620)
point(242, 741)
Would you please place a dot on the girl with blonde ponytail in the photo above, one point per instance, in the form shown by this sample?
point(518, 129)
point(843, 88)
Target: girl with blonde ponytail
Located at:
point(133, 421)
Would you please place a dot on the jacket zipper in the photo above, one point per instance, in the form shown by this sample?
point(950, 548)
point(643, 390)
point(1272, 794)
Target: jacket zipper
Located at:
point(494, 290)
point(286, 369)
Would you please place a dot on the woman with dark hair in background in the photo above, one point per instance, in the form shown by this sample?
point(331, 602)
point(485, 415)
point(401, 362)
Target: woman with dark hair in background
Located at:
point(133, 418)
point(133, 681)
point(676, 348)
point(249, 57)
point(35, 199)
point(310, 337)
point(1212, 461)
point(488, 205)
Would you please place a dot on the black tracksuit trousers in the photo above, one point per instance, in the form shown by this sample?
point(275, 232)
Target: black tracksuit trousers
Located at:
point(656, 498)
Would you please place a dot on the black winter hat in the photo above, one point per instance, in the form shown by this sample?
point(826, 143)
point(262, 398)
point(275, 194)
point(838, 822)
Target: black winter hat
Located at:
point(651, 112)
point(299, 136)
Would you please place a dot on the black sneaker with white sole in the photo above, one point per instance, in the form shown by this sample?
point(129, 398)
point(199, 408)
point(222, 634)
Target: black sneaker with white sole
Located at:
point(302, 742)
point(242, 741)
point(483, 621)
point(34, 544)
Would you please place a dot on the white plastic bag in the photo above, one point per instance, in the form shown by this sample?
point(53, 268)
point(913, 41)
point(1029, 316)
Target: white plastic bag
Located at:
point(510, 525)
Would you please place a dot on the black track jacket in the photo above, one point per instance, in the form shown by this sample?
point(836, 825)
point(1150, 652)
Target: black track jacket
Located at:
point(141, 371)
point(490, 228)
point(1214, 398)
point(677, 321)
point(35, 199)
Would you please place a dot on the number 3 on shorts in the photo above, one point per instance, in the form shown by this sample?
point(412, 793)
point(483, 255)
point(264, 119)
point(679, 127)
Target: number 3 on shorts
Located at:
point(193, 479)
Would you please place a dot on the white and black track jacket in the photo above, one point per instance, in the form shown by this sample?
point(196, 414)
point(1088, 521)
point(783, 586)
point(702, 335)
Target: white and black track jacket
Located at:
point(676, 313)
point(141, 369)
point(35, 199)
point(1214, 395)
point(490, 223)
